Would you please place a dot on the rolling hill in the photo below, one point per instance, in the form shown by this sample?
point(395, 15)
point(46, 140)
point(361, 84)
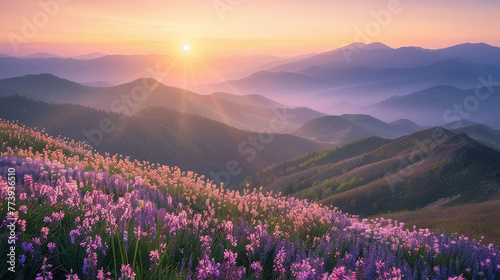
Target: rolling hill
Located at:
point(179, 139)
point(250, 112)
point(481, 220)
point(344, 129)
point(373, 175)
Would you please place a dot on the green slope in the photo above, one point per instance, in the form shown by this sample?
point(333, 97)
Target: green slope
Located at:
point(373, 175)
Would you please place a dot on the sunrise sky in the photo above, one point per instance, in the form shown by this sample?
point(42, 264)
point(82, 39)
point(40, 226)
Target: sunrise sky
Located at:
point(276, 27)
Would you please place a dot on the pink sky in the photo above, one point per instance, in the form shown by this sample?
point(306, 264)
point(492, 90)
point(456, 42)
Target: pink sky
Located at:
point(276, 27)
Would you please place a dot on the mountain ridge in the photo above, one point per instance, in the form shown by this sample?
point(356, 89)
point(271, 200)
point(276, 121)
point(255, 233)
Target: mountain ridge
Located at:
point(346, 128)
point(372, 175)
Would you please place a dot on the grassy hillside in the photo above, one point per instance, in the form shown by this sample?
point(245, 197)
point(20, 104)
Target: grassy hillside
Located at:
point(373, 176)
point(315, 159)
point(479, 219)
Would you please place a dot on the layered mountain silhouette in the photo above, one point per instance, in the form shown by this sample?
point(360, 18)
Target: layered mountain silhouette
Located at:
point(360, 85)
point(119, 69)
point(365, 85)
point(345, 80)
point(378, 55)
point(441, 104)
point(362, 75)
point(250, 112)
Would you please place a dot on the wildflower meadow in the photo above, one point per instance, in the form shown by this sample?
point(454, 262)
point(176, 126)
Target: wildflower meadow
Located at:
point(76, 214)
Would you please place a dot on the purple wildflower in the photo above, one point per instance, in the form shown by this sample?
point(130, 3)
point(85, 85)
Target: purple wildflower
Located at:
point(51, 246)
point(126, 273)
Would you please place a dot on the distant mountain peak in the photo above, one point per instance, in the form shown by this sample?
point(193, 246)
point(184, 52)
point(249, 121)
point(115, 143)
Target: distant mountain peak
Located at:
point(41, 55)
point(460, 138)
point(146, 81)
point(89, 56)
point(39, 77)
point(482, 44)
point(377, 45)
point(470, 47)
point(371, 46)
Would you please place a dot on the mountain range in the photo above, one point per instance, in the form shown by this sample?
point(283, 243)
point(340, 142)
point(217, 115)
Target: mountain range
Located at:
point(355, 79)
point(379, 56)
point(249, 112)
point(119, 69)
point(442, 104)
point(363, 75)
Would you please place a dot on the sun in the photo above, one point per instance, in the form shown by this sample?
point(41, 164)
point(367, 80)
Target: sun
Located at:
point(186, 48)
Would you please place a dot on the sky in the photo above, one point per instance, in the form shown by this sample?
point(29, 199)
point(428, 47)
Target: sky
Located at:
point(237, 27)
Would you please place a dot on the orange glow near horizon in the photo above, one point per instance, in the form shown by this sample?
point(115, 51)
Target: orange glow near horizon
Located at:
point(281, 28)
